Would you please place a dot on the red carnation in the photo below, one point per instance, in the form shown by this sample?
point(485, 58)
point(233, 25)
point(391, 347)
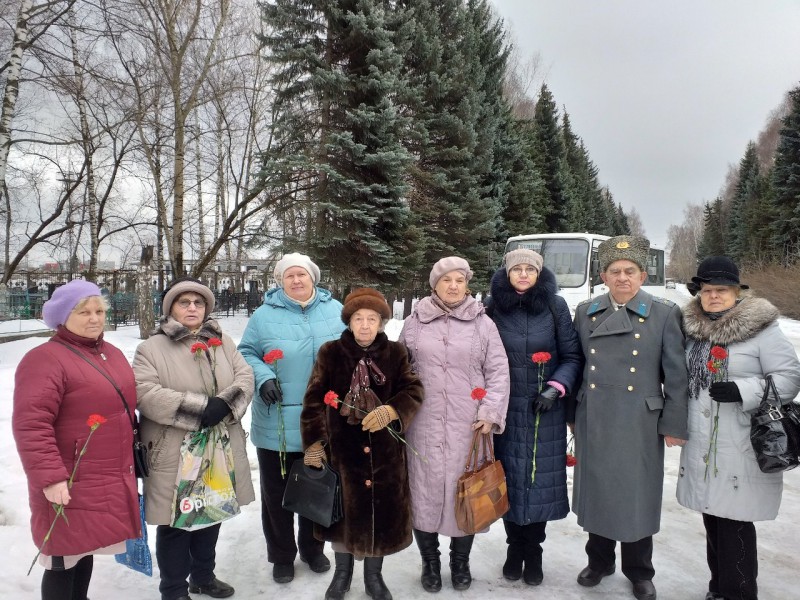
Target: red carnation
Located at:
point(719, 352)
point(273, 355)
point(331, 399)
point(711, 367)
point(540, 357)
point(215, 342)
point(94, 421)
point(478, 394)
point(571, 460)
point(198, 348)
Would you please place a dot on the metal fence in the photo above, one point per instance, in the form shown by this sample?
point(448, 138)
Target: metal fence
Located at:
point(27, 291)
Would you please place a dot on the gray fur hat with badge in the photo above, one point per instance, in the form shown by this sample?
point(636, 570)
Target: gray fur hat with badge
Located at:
point(623, 247)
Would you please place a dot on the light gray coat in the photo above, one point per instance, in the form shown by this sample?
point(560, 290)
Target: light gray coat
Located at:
point(172, 391)
point(634, 392)
point(453, 353)
point(756, 347)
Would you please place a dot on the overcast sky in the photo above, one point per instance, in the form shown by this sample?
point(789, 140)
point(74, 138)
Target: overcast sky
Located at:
point(665, 95)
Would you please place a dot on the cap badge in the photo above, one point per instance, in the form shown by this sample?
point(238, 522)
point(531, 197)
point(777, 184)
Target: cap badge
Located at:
point(623, 245)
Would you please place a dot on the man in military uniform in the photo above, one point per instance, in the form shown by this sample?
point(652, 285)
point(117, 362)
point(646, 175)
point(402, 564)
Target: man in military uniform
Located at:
point(633, 399)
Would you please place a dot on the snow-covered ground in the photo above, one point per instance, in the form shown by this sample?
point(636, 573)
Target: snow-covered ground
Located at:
point(681, 571)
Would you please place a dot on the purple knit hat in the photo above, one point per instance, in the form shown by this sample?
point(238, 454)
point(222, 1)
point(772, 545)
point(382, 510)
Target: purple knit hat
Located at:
point(56, 310)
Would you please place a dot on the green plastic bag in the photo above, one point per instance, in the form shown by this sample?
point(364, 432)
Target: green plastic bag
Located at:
point(205, 490)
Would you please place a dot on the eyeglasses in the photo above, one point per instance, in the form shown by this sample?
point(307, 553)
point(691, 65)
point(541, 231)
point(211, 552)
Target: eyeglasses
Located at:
point(199, 303)
point(521, 270)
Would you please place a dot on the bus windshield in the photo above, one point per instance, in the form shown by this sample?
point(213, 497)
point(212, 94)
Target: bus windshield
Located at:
point(567, 258)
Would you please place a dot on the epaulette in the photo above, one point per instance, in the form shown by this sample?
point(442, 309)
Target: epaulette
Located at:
point(663, 301)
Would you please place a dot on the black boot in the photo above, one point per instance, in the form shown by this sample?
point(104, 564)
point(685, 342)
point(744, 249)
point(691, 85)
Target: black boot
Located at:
point(459, 562)
point(533, 535)
point(512, 569)
point(373, 580)
point(428, 544)
point(342, 576)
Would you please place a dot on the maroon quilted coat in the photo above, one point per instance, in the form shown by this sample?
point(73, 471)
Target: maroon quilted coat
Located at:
point(54, 394)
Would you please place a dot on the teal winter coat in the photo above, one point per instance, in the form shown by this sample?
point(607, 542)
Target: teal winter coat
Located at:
point(281, 324)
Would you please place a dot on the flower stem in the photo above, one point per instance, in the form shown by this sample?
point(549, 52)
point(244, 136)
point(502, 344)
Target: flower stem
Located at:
point(535, 444)
point(281, 440)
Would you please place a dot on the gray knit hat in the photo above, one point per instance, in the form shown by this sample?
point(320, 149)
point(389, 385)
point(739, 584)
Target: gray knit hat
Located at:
point(183, 285)
point(623, 247)
point(295, 259)
point(447, 264)
point(522, 256)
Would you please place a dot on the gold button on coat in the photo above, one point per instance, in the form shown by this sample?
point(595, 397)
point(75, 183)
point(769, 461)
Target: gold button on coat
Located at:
point(633, 369)
point(630, 388)
point(637, 335)
point(591, 385)
point(635, 353)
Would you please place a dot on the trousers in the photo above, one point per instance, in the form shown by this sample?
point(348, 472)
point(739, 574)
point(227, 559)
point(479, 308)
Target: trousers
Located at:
point(277, 522)
point(637, 557)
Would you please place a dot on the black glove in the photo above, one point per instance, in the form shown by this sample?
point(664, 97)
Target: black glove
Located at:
point(724, 391)
point(214, 412)
point(270, 393)
point(546, 399)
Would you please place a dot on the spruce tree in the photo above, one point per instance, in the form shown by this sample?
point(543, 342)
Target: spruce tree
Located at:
point(548, 156)
point(786, 184)
point(338, 71)
point(713, 240)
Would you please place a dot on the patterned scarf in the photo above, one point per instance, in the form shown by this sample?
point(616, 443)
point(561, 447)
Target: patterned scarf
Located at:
point(700, 378)
point(360, 395)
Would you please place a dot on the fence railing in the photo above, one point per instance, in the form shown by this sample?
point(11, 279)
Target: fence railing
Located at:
point(29, 290)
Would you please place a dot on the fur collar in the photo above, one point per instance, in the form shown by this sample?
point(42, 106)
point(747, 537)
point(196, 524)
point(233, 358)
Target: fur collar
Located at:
point(746, 319)
point(168, 326)
point(535, 300)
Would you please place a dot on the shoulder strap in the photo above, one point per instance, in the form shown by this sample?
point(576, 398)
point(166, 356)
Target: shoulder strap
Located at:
point(104, 374)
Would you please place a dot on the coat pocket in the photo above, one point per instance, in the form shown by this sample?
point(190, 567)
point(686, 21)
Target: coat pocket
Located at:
point(654, 402)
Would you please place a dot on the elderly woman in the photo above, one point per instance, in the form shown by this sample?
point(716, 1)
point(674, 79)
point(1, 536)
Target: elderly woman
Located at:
point(376, 390)
point(179, 393)
point(295, 319)
point(721, 478)
point(455, 348)
point(532, 319)
point(71, 395)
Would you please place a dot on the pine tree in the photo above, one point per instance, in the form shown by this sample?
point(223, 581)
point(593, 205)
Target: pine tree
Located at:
point(786, 184)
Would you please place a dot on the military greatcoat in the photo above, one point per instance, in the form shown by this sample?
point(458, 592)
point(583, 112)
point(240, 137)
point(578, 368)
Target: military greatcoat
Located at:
point(634, 392)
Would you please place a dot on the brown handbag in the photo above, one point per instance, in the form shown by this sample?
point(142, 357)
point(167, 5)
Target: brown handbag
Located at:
point(481, 494)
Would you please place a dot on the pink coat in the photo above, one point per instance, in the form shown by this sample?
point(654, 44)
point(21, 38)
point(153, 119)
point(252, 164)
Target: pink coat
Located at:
point(54, 394)
point(452, 353)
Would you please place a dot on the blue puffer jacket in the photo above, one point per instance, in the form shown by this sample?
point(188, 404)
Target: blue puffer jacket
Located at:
point(527, 325)
point(280, 324)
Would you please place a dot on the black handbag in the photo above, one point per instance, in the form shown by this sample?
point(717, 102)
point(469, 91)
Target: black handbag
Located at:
point(775, 432)
point(314, 493)
point(140, 464)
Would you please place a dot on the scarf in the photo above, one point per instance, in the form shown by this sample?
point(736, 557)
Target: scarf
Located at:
point(446, 306)
point(360, 399)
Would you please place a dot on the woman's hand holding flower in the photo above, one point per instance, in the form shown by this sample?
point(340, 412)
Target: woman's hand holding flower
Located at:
point(724, 391)
point(377, 419)
point(58, 493)
point(546, 399)
point(314, 455)
point(270, 392)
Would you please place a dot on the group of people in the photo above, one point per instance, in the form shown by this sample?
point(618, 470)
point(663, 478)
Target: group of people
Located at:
point(628, 375)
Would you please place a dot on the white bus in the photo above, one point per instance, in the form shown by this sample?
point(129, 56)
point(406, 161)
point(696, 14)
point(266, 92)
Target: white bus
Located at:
point(573, 259)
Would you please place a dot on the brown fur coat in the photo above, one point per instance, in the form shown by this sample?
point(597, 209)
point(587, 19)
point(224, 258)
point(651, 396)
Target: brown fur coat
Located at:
point(372, 467)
